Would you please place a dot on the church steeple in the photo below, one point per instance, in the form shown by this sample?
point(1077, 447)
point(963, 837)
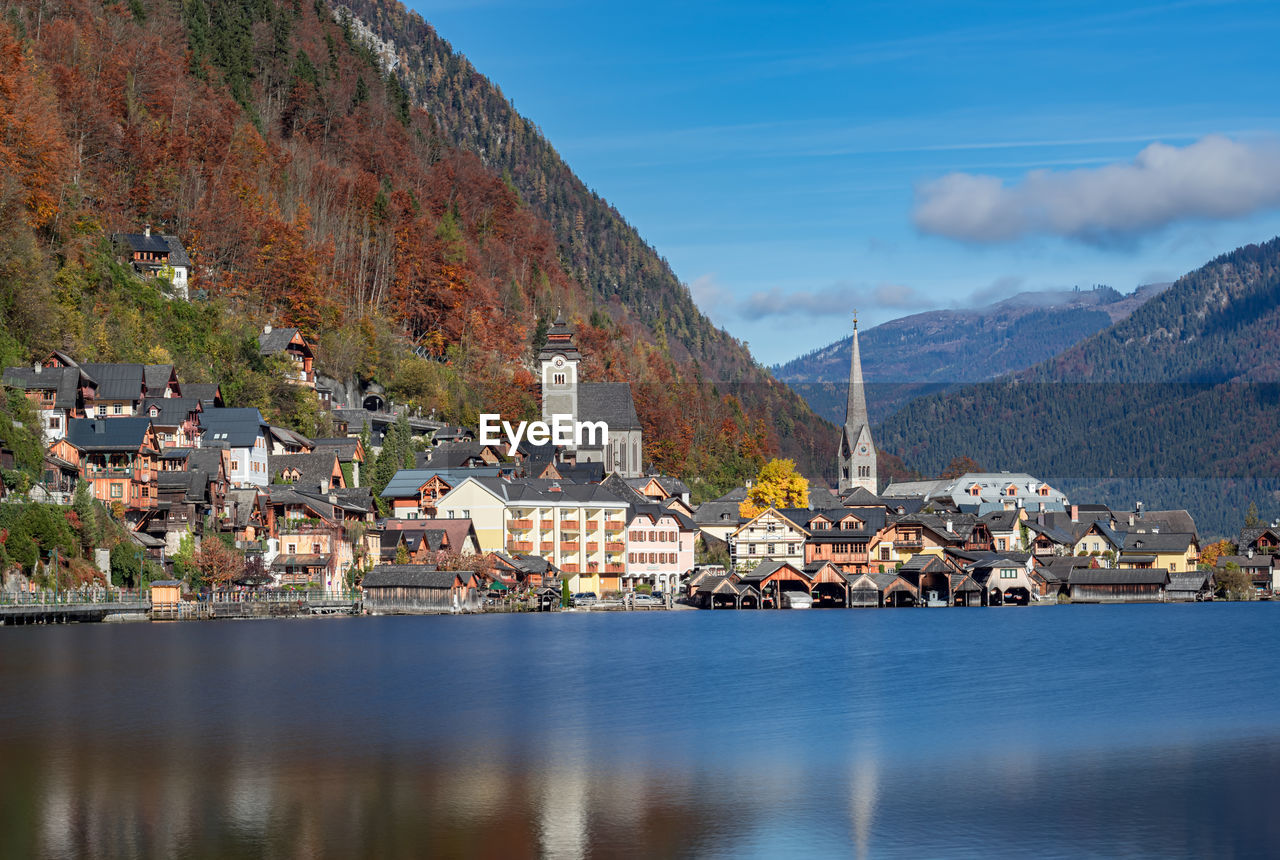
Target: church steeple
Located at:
point(857, 455)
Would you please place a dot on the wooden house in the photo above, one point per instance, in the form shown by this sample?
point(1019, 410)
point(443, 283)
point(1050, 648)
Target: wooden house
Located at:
point(290, 343)
point(1190, 587)
point(118, 457)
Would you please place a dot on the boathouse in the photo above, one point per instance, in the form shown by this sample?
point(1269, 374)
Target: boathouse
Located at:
point(414, 589)
point(1111, 585)
point(1190, 587)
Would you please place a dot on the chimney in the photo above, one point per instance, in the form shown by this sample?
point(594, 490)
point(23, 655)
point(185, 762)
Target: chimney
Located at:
point(266, 329)
point(1131, 520)
point(36, 367)
point(951, 525)
point(100, 426)
point(146, 230)
point(1075, 513)
point(1040, 517)
point(1250, 553)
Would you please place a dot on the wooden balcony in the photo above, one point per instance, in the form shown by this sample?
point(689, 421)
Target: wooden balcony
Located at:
point(548, 524)
point(614, 525)
point(569, 546)
point(568, 525)
point(520, 545)
point(615, 568)
point(569, 568)
point(546, 547)
point(614, 546)
point(521, 525)
point(593, 546)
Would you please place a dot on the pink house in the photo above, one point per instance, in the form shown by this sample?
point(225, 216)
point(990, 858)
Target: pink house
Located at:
point(659, 548)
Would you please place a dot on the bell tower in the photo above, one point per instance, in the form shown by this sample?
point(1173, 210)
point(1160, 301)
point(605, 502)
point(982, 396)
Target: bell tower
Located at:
point(857, 454)
point(559, 359)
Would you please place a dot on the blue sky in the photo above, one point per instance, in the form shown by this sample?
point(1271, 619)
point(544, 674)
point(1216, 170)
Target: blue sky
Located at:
point(795, 160)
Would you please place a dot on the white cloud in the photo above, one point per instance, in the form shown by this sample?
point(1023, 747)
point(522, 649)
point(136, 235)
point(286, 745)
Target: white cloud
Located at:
point(1214, 178)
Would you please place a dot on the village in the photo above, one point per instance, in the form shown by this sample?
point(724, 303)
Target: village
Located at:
point(469, 523)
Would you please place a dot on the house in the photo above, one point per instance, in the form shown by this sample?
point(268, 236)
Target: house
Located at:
point(310, 538)
point(413, 589)
point(350, 454)
point(176, 419)
point(414, 493)
point(119, 458)
point(1261, 568)
point(243, 433)
point(982, 492)
point(659, 548)
point(208, 393)
point(59, 393)
point(1097, 537)
point(160, 381)
point(318, 472)
point(908, 535)
point(1259, 539)
point(121, 389)
point(461, 533)
point(841, 536)
point(290, 343)
point(285, 441)
point(1176, 553)
point(931, 577)
point(719, 518)
point(353, 422)
point(158, 255)
point(1009, 579)
point(769, 536)
point(1110, 585)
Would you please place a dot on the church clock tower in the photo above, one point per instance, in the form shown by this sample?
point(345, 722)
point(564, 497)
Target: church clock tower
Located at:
point(857, 455)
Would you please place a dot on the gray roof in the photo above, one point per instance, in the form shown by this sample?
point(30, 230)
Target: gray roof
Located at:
point(410, 576)
point(237, 428)
point(407, 482)
point(107, 434)
point(622, 488)
point(170, 411)
point(316, 470)
point(65, 381)
point(177, 253)
point(205, 392)
point(453, 455)
point(1113, 576)
point(142, 243)
point(276, 340)
point(610, 402)
point(118, 381)
point(1157, 542)
point(156, 378)
point(1191, 580)
point(205, 459)
point(344, 446)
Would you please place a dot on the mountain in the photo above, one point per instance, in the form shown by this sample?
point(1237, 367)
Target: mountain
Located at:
point(1177, 405)
point(937, 350)
point(315, 185)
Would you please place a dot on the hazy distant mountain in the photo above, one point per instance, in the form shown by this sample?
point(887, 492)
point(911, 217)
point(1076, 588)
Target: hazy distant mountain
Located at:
point(1177, 405)
point(928, 352)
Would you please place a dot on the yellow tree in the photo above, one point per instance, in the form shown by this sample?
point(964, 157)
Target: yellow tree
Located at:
point(778, 485)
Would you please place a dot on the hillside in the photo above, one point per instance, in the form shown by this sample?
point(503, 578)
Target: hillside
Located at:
point(311, 191)
point(1177, 405)
point(938, 350)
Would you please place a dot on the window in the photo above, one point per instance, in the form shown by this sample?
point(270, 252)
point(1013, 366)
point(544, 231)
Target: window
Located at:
point(631, 557)
point(653, 558)
point(117, 491)
point(770, 549)
point(884, 553)
point(1000, 544)
point(54, 422)
point(315, 549)
point(117, 409)
point(791, 549)
point(291, 549)
point(751, 549)
point(1008, 573)
point(558, 379)
point(466, 514)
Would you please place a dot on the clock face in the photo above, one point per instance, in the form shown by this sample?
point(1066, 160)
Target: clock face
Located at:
point(862, 450)
point(559, 361)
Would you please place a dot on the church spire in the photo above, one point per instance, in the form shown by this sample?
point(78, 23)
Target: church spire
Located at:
point(857, 453)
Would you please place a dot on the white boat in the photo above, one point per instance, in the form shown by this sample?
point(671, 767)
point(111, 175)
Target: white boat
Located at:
point(796, 600)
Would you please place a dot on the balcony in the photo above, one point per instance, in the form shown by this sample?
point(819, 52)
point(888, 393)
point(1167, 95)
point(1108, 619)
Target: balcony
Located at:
point(615, 568)
point(521, 525)
point(520, 546)
point(569, 546)
point(569, 568)
point(614, 525)
point(592, 567)
point(614, 546)
point(112, 472)
point(546, 547)
point(568, 525)
point(547, 525)
point(592, 546)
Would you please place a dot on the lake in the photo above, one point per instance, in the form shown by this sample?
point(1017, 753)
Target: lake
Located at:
point(1061, 731)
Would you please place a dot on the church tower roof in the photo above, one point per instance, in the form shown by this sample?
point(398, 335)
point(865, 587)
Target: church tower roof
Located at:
point(855, 415)
point(856, 457)
point(559, 341)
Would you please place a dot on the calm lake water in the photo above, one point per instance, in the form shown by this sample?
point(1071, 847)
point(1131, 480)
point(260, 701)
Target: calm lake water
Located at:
point(1062, 731)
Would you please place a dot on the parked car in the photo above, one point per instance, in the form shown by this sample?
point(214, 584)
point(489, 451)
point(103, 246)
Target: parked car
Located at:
point(638, 599)
point(585, 598)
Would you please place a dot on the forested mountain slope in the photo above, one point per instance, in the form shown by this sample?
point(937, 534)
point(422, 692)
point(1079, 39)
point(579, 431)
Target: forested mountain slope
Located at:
point(1177, 405)
point(937, 350)
point(311, 191)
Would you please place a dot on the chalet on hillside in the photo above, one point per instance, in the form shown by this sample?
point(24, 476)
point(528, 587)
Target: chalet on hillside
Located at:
point(290, 343)
point(158, 255)
point(119, 458)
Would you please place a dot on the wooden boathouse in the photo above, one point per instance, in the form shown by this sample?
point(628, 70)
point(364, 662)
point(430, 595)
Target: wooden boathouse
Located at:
point(419, 589)
point(1112, 585)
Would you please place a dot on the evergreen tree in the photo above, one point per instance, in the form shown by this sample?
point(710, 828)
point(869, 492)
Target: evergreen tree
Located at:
point(85, 509)
point(1251, 520)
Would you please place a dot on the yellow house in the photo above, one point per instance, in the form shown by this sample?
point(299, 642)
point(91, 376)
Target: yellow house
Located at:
point(579, 528)
point(481, 500)
point(907, 537)
point(1174, 552)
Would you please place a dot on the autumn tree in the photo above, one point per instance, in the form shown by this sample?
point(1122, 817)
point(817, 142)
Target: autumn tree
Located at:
point(778, 485)
point(219, 565)
point(960, 466)
point(1210, 554)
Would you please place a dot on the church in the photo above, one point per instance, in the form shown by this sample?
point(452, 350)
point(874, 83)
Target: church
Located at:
point(610, 402)
point(857, 454)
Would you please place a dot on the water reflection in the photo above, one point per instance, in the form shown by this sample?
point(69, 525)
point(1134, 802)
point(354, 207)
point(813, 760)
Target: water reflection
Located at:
point(399, 739)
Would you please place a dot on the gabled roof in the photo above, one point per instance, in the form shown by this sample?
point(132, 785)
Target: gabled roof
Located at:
point(177, 253)
point(345, 447)
point(157, 378)
point(622, 488)
point(861, 497)
point(143, 243)
point(208, 393)
point(285, 436)
point(1191, 580)
point(170, 411)
point(1157, 542)
point(235, 428)
point(277, 340)
point(1115, 576)
point(315, 470)
point(406, 483)
point(66, 382)
point(118, 381)
point(108, 434)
